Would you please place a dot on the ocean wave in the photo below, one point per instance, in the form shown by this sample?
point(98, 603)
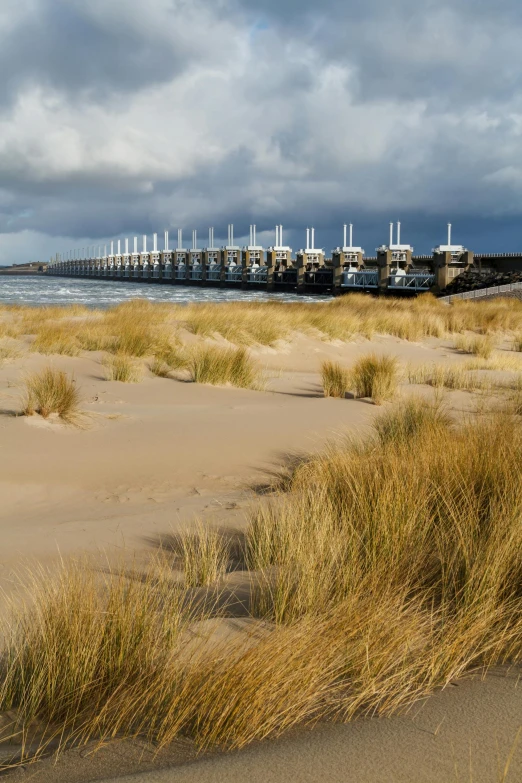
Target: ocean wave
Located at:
point(38, 291)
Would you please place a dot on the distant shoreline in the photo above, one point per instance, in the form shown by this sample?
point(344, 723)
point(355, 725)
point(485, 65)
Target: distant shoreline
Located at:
point(22, 270)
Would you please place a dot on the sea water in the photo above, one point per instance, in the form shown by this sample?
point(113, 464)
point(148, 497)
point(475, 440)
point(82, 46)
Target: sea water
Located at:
point(43, 290)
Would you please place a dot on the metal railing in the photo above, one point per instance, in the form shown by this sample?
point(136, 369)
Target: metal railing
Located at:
point(258, 275)
point(360, 279)
point(415, 282)
point(234, 274)
point(480, 293)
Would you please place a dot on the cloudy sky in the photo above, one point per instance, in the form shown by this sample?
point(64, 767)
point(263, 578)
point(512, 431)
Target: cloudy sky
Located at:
point(123, 117)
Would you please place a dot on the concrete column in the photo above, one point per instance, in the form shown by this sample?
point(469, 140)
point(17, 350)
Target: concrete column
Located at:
point(245, 263)
point(441, 262)
point(270, 268)
point(337, 263)
point(222, 264)
point(384, 263)
point(301, 262)
point(467, 258)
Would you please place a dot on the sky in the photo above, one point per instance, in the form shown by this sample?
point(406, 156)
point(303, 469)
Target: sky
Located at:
point(124, 117)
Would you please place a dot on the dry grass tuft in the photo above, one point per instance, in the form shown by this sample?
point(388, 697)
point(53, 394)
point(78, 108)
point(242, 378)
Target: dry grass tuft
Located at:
point(9, 350)
point(480, 345)
point(52, 391)
point(500, 361)
point(442, 376)
point(122, 368)
point(517, 343)
point(205, 555)
point(220, 366)
point(376, 377)
point(55, 339)
point(94, 337)
point(160, 368)
point(335, 379)
point(415, 418)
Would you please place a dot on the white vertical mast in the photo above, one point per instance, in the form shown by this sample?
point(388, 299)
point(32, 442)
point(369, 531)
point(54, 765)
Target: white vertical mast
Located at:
point(144, 243)
point(391, 234)
point(154, 243)
point(166, 241)
point(398, 233)
point(449, 234)
point(307, 238)
point(351, 235)
point(135, 245)
point(126, 246)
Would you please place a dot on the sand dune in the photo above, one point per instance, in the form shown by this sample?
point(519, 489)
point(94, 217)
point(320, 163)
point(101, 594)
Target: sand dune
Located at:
point(148, 459)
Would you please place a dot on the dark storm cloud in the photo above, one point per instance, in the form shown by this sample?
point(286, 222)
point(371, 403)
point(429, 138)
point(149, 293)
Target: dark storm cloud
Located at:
point(61, 44)
point(460, 50)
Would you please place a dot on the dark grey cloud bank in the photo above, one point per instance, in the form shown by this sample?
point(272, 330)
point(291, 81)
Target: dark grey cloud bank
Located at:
point(119, 117)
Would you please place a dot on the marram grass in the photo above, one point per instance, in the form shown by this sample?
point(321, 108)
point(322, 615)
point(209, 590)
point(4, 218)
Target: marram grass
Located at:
point(335, 379)
point(376, 377)
point(49, 392)
point(123, 368)
point(389, 567)
point(136, 327)
point(219, 366)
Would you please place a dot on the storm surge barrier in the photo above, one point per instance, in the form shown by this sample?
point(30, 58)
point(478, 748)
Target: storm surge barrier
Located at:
point(394, 270)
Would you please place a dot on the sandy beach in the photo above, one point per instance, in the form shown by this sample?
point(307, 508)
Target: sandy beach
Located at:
point(152, 455)
point(150, 458)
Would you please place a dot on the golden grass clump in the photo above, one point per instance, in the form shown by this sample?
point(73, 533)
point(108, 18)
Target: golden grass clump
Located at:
point(480, 345)
point(376, 377)
point(415, 418)
point(159, 368)
point(9, 350)
point(205, 555)
point(456, 377)
point(424, 515)
point(123, 368)
point(170, 353)
point(88, 641)
point(94, 337)
point(500, 361)
point(55, 338)
point(238, 322)
point(335, 379)
point(51, 391)
point(219, 366)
